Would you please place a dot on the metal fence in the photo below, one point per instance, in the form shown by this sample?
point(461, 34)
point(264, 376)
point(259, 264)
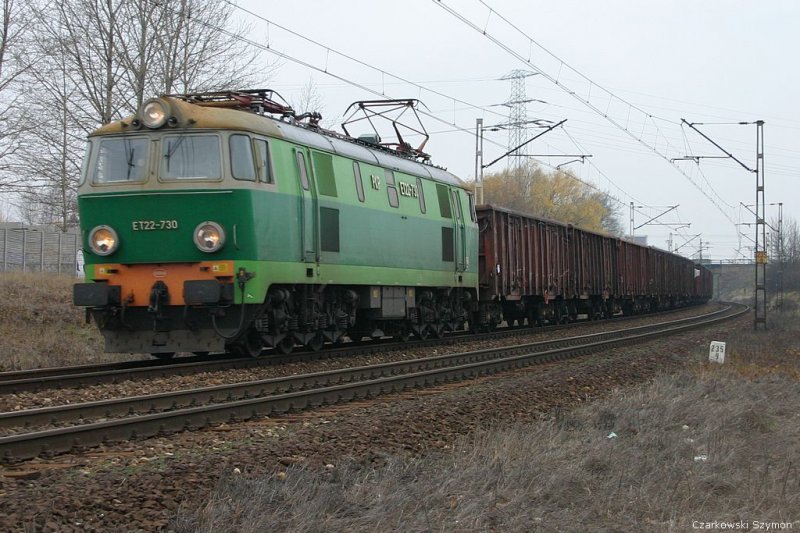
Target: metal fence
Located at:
point(39, 250)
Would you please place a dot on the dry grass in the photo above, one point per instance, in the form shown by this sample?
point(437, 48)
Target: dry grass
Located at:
point(711, 443)
point(40, 327)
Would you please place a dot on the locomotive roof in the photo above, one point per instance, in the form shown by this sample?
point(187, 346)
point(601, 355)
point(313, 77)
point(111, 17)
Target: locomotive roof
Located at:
point(354, 149)
point(191, 116)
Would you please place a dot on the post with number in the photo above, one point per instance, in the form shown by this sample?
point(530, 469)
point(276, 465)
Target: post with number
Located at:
point(716, 352)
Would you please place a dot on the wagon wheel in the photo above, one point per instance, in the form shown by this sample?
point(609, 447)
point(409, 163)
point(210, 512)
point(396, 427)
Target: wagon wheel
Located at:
point(163, 355)
point(602, 312)
point(563, 313)
point(424, 332)
point(316, 342)
point(403, 333)
point(286, 345)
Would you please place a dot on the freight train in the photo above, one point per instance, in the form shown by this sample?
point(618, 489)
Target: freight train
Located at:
point(225, 221)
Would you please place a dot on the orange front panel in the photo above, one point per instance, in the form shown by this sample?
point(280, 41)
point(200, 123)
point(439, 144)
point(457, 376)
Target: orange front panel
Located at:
point(136, 281)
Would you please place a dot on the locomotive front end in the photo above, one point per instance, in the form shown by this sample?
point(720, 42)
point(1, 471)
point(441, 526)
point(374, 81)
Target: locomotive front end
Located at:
point(167, 232)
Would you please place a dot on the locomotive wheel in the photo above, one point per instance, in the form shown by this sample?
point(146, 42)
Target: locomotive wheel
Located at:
point(403, 334)
point(250, 345)
point(316, 343)
point(163, 355)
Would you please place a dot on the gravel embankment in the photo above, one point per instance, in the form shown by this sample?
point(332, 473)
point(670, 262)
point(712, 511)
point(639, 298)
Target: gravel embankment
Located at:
point(138, 486)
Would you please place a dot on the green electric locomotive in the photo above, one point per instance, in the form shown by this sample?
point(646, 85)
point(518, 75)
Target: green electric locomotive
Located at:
point(224, 221)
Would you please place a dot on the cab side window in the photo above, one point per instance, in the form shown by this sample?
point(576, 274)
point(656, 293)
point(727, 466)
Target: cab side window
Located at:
point(242, 166)
point(301, 167)
point(391, 189)
point(359, 183)
point(457, 205)
point(263, 162)
point(444, 201)
point(421, 196)
point(472, 215)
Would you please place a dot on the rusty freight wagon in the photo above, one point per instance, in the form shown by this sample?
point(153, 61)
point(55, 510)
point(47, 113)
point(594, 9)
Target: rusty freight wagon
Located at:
point(538, 270)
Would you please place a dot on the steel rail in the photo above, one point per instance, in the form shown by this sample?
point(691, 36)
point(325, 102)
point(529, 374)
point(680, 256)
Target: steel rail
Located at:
point(418, 373)
point(61, 371)
point(228, 392)
point(85, 375)
point(172, 400)
point(73, 377)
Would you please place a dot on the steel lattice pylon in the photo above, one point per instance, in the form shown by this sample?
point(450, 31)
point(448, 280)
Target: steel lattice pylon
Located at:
point(517, 118)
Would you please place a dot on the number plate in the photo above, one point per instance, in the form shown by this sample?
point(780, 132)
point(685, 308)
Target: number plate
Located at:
point(153, 225)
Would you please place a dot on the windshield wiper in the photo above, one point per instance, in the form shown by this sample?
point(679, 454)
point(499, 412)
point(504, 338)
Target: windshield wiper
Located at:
point(131, 164)
point(172, 148)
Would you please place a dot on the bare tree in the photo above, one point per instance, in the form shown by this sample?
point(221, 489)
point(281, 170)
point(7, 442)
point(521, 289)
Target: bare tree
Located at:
point(14, 64)
point(119, 53)
point(785, 245)
point(611, 221)
point(98, 60)
point(54, 146)
point(139, 54)
point(88, 33)
point(65, 106)
point(310, 100)
point(791, 234)
point(200, 46)
point(784, 253)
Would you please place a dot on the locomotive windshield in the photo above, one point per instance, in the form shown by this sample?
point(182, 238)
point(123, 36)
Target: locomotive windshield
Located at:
point(191, 157)
point(121, 160)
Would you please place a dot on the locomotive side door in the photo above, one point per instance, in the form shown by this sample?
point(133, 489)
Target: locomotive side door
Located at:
point(460, 232)
point(308, 208)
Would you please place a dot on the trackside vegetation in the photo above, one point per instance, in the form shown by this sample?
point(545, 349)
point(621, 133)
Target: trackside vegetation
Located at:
point(40, 327)
point(709, 444)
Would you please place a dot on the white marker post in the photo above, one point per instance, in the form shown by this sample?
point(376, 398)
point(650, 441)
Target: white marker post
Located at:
point(716, 352)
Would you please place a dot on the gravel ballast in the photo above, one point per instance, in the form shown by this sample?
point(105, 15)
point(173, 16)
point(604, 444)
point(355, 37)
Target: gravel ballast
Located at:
point(138, 486)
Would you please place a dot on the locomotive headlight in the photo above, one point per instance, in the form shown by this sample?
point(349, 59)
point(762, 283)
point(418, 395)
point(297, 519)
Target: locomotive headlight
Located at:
point(103, 240)
point(209, 236)
point(154, 113)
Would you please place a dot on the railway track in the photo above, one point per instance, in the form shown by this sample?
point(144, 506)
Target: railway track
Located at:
point(86, 375)
point(151, 415)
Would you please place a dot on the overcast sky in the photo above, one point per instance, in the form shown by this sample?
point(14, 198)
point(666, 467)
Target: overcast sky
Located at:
point(644, 64)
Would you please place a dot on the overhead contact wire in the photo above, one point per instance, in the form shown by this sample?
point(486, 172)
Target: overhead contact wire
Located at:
point(585, 102)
